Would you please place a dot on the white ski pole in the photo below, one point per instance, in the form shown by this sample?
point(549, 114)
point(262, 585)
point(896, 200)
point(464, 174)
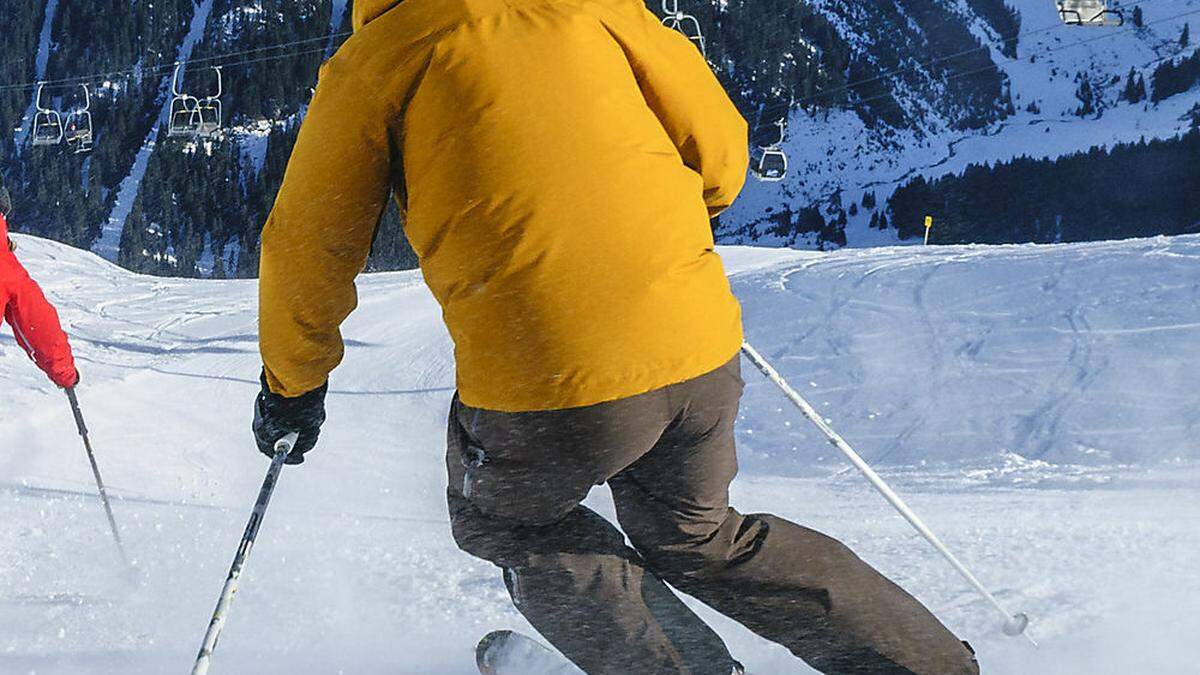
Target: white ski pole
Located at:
point(204, 659)
point(87, 445)
point(1014, 624)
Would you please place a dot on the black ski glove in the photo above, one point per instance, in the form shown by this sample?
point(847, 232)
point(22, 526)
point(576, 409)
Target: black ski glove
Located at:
point(276, 416)
point(5, 203)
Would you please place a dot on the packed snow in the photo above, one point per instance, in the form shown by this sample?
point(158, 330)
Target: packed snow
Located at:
point(1036, 404)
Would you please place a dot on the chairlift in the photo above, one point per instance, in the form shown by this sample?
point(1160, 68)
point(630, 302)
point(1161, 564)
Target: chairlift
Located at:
point(78, 133)
point(772, 164)
point(47, 123)
point(209, 111)
point(689, 25)
point(1089, 13)
point(186, 117)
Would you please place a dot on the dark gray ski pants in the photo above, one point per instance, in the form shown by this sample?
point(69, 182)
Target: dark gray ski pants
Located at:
point(516, 481)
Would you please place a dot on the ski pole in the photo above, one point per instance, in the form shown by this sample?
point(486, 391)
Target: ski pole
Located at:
point(1014, 624)
point(87, 445)
point(204, 659)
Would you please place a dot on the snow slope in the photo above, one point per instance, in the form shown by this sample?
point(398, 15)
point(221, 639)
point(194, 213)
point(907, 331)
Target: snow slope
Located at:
point(1036, 404)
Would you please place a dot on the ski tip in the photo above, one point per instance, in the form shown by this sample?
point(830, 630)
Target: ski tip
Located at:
point(487, 649)
point(507, 652)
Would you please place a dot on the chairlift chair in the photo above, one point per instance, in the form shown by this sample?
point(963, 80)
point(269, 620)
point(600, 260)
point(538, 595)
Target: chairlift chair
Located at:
point(772, 164)
point(79, 125)
point(185, 120)
point(689, 25)
point(184, 116)
point(47, 123)
point(209, 111)
point(1089, 13)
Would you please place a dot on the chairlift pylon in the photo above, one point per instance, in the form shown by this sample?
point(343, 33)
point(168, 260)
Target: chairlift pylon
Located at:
point(772, 164)
point(47, 123)
point(1089, 13)
point(685, 23)
point(78, 132)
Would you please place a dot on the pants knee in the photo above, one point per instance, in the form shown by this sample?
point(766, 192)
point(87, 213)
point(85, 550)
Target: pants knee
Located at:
point(704, 556)
point(513, 544)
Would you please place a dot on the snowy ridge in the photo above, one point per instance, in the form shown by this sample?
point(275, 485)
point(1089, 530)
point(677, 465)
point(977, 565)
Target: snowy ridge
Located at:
point(836, 149)
point(1037, 405)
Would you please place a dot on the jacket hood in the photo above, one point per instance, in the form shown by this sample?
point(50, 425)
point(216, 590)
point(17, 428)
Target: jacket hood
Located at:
point(366, 11)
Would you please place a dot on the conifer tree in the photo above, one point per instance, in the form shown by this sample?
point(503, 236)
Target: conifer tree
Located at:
point(1087, 97)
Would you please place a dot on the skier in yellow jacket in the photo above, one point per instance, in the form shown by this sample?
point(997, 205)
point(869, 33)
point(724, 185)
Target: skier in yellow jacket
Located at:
point(557, 163)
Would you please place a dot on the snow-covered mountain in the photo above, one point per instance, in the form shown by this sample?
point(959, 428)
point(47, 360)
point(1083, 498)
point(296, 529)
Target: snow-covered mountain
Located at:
point(842, 150)
point(1036, 403)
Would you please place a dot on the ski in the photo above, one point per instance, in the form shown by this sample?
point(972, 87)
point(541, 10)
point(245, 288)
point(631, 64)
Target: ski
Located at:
point(505, 652)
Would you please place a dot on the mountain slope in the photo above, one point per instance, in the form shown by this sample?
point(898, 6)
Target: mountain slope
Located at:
point(840, 152)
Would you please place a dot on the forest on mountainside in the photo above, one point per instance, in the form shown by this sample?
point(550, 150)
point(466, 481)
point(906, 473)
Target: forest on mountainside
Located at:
point(199, 207)
point(1149, 188)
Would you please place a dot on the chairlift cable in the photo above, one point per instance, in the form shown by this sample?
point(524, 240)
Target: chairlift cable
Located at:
point(163, 67)
point(51, 120)
point(993, 66)
point(925, 64)
point(99, 78)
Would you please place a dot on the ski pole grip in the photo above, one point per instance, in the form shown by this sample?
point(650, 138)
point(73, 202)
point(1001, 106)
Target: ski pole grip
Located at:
point(284, 445)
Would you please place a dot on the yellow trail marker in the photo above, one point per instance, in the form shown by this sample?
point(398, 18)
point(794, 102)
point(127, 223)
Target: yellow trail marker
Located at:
point(928, 226)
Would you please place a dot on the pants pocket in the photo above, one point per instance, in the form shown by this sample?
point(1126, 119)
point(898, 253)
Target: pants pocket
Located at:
point(472, 458)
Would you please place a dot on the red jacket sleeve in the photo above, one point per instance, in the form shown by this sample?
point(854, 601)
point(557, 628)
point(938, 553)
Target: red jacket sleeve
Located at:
point(34, 322)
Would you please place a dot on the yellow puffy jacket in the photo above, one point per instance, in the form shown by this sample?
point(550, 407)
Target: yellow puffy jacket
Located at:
point(557, 163)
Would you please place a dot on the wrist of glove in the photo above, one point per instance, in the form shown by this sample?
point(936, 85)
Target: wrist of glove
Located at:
point(276, 416)
point(66, 380)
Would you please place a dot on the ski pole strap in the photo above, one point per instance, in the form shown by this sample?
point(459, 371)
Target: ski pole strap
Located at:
point(204, 659)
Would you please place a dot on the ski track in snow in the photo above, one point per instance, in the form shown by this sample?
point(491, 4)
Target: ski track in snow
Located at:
point(1036, 404)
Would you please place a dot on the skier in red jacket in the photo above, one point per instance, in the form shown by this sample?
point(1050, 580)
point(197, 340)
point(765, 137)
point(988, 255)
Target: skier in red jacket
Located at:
point(32, 318)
